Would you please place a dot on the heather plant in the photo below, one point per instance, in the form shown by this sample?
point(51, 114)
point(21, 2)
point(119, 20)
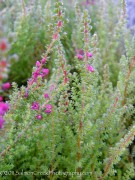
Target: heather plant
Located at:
point(79, 123)
point(33, 35)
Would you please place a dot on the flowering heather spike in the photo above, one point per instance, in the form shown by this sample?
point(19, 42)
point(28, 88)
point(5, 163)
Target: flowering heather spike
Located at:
point(6, 86)
point(89, 54)
point(2, 121)
point(90, 68)
point(39, 116)
point(35, 106)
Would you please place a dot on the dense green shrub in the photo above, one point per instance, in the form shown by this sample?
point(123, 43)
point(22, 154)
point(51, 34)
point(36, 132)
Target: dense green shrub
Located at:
point(79, 123)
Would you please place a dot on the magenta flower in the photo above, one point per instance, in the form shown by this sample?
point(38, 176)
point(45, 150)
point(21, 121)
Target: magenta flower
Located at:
point(55, 36)
point(59, 24)
point(35, 106)
point(6, 86)
point(45, 71)
point(46, 96)
point(81, 52)
point(90, 68)
point(48, 111)
point(38, 64)
point(79, 56)
point(36, 74)
point(39, 116)
point(48, 108)
point(89, 54)
point(2, 121)
point(4, 107)
point(43, 61)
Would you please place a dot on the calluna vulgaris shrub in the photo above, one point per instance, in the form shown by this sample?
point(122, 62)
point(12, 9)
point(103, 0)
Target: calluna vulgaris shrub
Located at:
point(79, 124)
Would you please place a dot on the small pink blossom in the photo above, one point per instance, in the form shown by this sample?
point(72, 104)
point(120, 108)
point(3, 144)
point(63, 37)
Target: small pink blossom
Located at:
point(81, 52)
point(46, 95)
point(79, 56)
point(86, 31)
point(6, 86)
point(39, 116)
point(35, 106)
point(36, 74)
point(55, 36)
point(43, 61)
point(48, 111)
point(2, 121)
point(4, 107)
point(38, 64)
point(89, 54)
point(90, 68)
point(59, 23)
point(48, 108)
point(45, 71)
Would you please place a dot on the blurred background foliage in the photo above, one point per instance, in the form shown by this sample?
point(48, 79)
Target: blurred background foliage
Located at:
point(30, 21)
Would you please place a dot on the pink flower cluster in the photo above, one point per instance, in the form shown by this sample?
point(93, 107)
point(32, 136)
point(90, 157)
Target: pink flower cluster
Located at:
point(80, 56)
point(6, 86)
point(42, 72)
point(90, 68)
point(36, 107)
point(48, 109)
point(4, 107)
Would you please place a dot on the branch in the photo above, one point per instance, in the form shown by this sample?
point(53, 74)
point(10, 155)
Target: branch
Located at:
point(119, 149)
